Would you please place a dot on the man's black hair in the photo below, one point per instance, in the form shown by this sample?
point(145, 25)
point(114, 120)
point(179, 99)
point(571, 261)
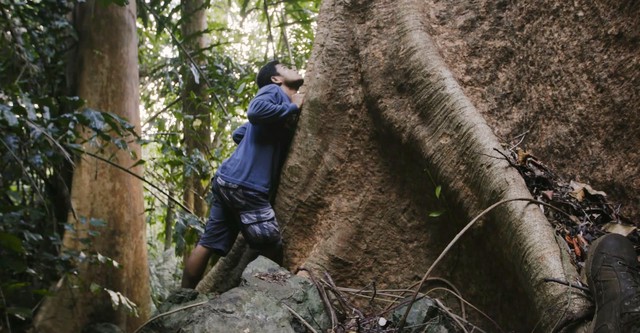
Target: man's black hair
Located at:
point(266, 72)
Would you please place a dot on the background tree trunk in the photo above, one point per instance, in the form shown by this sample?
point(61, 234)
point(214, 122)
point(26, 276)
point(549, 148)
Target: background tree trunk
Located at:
point(169, 220)
point(108, 81)
point(385, 122)
point(197, 120)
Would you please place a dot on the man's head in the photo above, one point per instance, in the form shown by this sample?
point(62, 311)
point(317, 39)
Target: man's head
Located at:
point(276, 73)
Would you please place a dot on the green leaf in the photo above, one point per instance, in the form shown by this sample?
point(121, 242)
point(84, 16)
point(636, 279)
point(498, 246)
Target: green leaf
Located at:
point(17, 285)
point(196, 74)
point(115, 300)
point(20, 313)
point(139, 162)
point(42, 292)
point(243, 8)
point(9, 116)
point(74, 146)
point(114, 123)
point(438, 190)
point(93, 119)
point(74, 102)
point(436, 213)
point(14, 196)
point(97, 222)
point(95, 288)
point(32, 237)
point(120, 143)
point(241, 88)
point(11, 242)
point(101, 258)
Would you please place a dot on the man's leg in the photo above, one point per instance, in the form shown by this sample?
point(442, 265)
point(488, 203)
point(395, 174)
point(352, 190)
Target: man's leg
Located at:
point(195, 266)
point(256, 219)
point(275, 253)
point(219, 235)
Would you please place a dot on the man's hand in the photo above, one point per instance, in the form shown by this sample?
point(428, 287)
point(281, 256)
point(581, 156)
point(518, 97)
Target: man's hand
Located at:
point(298, 99)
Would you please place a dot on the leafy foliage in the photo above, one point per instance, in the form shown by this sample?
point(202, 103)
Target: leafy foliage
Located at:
point(238, 32)
point(38, 146)
point(34, 163)
point(40, 122)
point(40, 138)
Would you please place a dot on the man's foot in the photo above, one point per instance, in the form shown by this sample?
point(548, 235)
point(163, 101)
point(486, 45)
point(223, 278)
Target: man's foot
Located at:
point(613, 274)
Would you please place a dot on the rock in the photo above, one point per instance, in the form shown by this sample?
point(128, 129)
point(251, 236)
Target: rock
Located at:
point(257, 305)
point(265, 301)
point(424, 316)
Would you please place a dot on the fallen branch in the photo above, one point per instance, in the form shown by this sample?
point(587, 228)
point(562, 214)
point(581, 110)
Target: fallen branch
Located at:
point(585, 289)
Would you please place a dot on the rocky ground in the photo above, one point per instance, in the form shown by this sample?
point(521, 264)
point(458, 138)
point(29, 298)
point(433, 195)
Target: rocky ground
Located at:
point(272, 299)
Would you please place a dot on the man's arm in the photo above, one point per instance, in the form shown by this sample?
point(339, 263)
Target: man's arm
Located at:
point(267, 108)
point(238, 134)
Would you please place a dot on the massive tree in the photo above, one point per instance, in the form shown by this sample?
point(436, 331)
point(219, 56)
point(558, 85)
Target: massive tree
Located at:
point(385, 123)
point(394, 113)
point(106, 76)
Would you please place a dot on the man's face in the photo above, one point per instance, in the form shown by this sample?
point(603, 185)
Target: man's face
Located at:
point(288, 77)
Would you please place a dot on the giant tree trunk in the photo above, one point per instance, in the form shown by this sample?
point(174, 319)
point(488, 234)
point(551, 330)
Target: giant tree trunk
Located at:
point(565, 74)
point(384, 123)
point(108, 81)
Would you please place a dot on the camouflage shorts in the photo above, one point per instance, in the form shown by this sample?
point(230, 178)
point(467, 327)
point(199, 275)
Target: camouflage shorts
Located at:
point(236, 209)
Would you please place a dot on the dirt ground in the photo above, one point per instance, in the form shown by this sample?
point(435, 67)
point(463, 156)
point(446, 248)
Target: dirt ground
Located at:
point(562, 76)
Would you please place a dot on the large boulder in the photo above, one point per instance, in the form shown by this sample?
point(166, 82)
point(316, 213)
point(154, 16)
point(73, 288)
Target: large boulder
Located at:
point(259, 304)
point(271, 299)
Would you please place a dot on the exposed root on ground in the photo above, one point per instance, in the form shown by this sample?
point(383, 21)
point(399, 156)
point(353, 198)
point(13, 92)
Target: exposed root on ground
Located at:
point(578, 213)
point(371, 310)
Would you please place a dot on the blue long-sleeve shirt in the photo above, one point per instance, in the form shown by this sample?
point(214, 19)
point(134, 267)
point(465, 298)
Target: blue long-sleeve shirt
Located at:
point(262, 142)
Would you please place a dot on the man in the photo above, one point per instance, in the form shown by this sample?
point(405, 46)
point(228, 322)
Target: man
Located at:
point(244, 183)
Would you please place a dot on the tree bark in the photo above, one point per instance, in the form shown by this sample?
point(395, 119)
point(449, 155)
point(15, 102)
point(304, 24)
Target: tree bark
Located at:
point(384, 123)
point(169, 220)
point(107, 77)
point(197, 120)
point(559, 78)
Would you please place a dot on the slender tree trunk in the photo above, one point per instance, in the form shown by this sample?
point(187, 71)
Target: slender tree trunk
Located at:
point(197, 123)
point(107, 77)
point(169, 220)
